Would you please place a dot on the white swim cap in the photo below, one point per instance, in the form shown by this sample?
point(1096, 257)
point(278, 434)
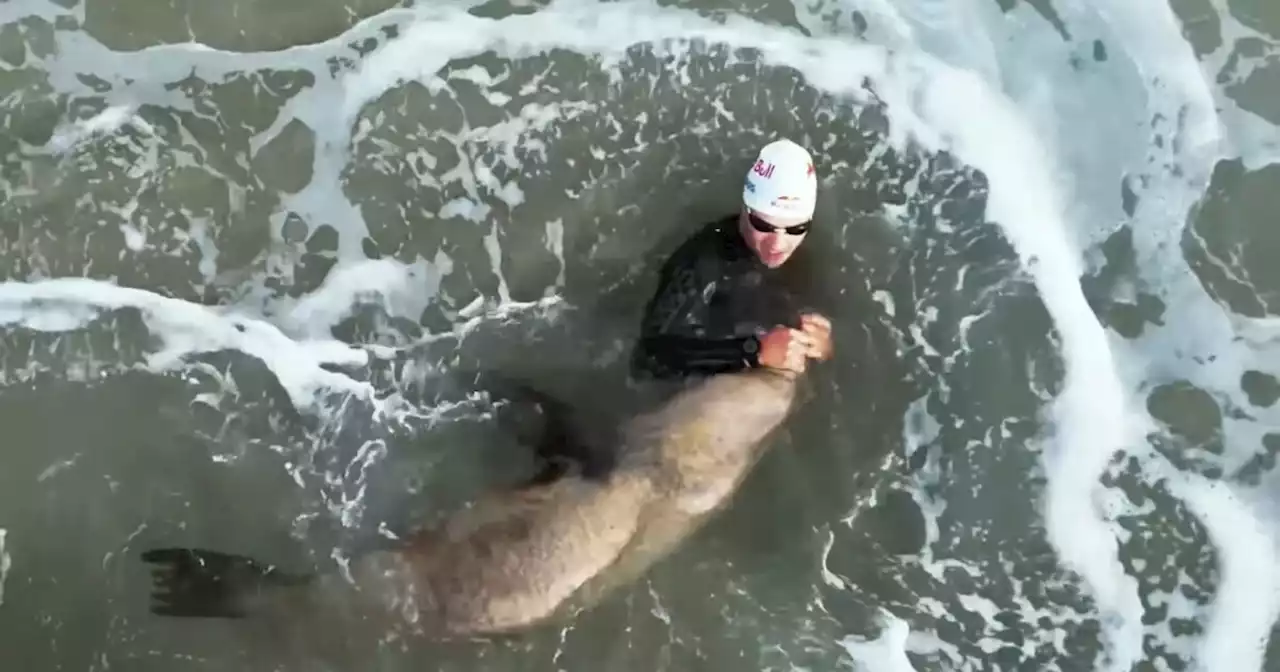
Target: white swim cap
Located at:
point(782, 182)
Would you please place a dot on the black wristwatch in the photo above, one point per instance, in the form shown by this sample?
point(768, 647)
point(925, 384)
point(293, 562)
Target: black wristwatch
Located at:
point(751, 348)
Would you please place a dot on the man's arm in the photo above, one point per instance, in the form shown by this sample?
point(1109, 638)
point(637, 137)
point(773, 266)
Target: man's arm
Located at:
point(677, 334)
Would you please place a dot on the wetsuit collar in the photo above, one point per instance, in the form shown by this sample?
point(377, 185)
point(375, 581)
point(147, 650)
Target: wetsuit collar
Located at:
point(734, 247)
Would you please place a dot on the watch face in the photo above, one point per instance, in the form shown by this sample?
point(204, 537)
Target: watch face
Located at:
point(752, 345)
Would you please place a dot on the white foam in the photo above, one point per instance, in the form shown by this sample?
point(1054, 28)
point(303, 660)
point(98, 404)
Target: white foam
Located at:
point(5, 562)
point(133, 238)
point(1200, 126)
point(57, 467)
point(1251, 138)
point(1167, 84)
point(1091, 420)
point(554, 237)
point(11, 12)
point(885, 653)
point(185, 328)
point(403, 290)
point(106, 122)
point(1248, 597)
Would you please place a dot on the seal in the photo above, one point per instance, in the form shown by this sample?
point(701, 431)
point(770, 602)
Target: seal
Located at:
point(521, 556)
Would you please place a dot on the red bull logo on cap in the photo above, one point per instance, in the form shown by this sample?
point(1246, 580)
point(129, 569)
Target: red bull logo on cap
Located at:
point(763, 169)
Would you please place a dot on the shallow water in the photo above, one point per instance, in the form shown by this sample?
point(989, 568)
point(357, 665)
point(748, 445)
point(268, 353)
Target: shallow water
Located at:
point(254, 251)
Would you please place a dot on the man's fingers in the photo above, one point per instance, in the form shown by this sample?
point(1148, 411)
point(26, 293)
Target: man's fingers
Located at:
point(800, 347)
point(817, 330)
point(815, 321)
point(796, 361)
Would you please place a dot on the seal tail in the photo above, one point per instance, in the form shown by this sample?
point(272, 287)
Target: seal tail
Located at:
point(198, 583)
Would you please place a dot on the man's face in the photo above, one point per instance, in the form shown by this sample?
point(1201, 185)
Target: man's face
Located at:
point(774, 245)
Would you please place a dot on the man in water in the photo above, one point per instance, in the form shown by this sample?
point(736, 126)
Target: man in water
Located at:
point(732, 297)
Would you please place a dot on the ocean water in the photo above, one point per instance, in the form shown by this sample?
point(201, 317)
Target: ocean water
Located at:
point(252, 254)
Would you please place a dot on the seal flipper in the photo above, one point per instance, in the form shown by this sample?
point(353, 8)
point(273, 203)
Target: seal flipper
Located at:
point(198, 583)
point(562, 444)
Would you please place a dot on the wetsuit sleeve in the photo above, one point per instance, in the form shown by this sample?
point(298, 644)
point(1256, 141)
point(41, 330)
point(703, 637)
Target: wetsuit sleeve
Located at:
point(678, 335)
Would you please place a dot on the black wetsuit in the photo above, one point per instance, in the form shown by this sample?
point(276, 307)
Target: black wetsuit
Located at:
point(714, 301)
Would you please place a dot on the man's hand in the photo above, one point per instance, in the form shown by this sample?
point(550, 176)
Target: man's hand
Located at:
point(785, 348)
point(818, 330)
point(790, 349)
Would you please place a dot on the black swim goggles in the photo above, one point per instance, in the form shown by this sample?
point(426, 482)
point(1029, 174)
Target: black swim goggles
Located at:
point(765, 227)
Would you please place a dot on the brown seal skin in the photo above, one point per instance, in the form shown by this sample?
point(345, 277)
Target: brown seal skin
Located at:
point(525, 556)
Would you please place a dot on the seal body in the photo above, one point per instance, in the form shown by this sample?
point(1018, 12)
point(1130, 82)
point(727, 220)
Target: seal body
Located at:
point(520, 557)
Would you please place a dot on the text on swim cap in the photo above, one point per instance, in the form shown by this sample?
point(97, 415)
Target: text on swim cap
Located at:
point(763, 169)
